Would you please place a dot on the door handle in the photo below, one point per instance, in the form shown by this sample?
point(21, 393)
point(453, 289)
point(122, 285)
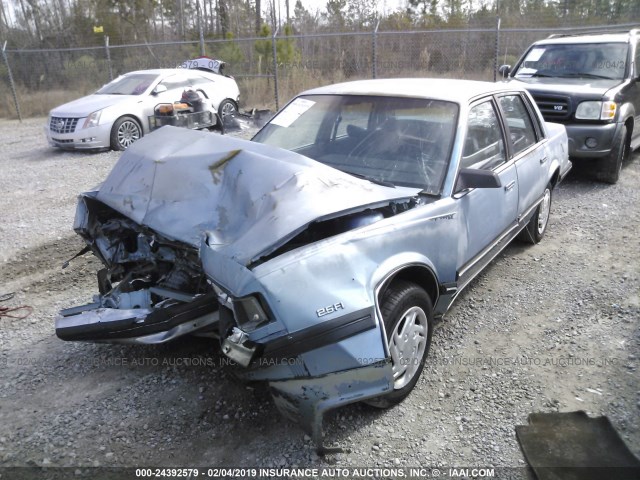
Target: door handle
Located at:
point(543, 160)
point(510, 185)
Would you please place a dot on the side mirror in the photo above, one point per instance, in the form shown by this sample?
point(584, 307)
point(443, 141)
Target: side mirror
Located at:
point(474, 178)
point(159, 89)
point(504, 70)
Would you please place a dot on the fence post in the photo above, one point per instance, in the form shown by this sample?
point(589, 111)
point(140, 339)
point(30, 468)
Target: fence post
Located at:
point(374, 54)
point(199, 12)
point(106, 46)
point(11, 84)
point(275, 68)
point(497, 52)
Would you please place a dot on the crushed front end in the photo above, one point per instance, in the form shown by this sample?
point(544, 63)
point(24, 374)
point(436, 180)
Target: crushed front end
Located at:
point(151, 289)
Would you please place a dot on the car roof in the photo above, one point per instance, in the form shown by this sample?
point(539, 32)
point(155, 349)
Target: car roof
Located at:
point(593, 38)
point(458, 91)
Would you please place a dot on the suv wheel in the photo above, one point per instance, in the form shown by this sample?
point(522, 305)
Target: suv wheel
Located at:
point(610, 166)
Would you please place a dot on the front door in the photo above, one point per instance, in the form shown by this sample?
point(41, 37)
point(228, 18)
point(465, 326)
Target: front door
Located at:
point(490, 214)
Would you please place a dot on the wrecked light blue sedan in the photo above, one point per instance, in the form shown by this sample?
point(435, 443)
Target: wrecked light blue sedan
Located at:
point(319, 254)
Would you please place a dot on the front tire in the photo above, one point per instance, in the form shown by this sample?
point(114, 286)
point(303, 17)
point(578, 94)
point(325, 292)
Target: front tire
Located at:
point(124, 132)
point(537, 226)
point(611, 165)
point(407, 313)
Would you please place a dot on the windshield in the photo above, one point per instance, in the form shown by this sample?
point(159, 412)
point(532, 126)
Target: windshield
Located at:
point(135, 84)
point(388, 140)
point(589, 60)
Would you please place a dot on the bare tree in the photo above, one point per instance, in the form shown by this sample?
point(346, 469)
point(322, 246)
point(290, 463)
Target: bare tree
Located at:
point(223, 15)
point(25, 17)
point(4, 23)
point(258, 17)
point(35, 13)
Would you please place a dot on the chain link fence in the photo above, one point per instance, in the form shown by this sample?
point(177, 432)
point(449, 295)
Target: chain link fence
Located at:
point(34, 81)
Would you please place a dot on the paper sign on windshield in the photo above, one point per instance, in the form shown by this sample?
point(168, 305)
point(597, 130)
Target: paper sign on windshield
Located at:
point(292, 112)
point(534, 55)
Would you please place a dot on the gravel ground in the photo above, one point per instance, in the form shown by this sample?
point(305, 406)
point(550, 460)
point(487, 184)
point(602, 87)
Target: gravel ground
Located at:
point(552, 327)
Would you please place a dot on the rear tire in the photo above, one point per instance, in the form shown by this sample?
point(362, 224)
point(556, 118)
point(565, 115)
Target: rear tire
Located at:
point(407, 313)
point(124, 132)
point(610, 166)
point(537, 226)
point(227, 107)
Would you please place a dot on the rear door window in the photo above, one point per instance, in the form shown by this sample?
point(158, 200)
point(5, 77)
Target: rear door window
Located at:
point(522, 132)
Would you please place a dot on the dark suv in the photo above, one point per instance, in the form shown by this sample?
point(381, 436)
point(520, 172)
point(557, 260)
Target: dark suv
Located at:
point(591, 84)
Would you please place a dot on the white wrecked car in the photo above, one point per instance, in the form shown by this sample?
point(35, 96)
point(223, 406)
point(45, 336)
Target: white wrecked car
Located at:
point(118, 114)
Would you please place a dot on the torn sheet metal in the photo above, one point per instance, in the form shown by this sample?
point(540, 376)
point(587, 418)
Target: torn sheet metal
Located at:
point(99, 325)
point(149, 324)
point(305, 401)
point(245, 121)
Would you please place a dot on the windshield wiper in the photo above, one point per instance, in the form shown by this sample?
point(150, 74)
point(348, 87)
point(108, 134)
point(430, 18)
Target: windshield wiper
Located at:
point(584, 75)
point(371, 179)
point(537, 74)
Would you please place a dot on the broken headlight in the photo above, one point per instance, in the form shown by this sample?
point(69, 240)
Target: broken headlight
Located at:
point(238, 317)
point(251, 312)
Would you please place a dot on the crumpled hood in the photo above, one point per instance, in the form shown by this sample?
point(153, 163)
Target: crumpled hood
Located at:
point(249, 197)
point(82, 107)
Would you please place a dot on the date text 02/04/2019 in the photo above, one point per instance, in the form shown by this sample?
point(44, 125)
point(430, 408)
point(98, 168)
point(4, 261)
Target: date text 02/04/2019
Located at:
point(313, 473)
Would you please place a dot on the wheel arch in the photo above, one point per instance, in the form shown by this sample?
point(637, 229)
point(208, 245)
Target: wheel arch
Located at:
point(418, 273)
point(555, 176)
point(629, 123)
point(627, 116)
point(235, 104)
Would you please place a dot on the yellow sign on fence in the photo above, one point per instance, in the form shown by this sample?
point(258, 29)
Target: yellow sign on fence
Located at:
point(99, 29)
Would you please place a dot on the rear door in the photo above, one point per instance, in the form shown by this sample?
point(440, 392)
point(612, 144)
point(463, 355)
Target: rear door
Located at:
point(526, 148)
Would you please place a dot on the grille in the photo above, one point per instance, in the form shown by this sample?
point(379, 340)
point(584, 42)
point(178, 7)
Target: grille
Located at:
point(63, 125)
point(553, 107)
point(59, 140)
